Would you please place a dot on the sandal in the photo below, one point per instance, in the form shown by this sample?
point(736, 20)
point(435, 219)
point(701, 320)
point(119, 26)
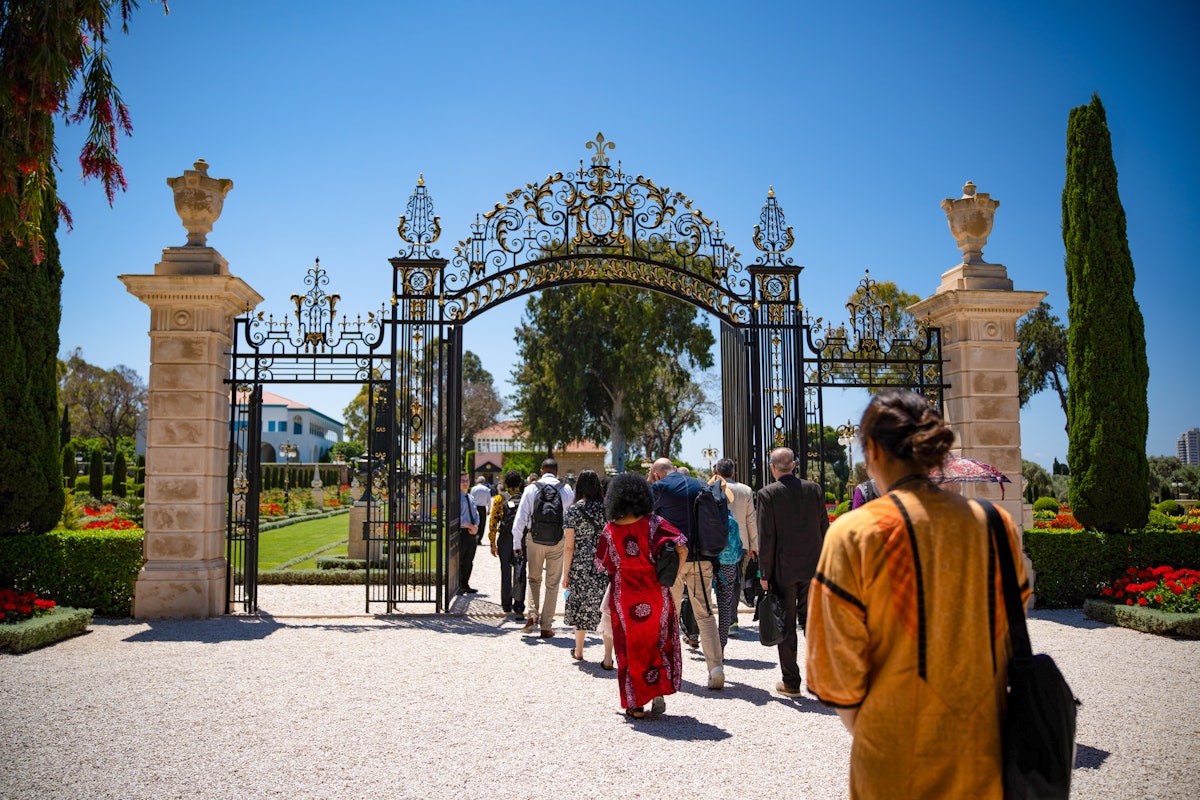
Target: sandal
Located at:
point(575, 655)
point(658, 705)
point(636, 712)
point(606, 665)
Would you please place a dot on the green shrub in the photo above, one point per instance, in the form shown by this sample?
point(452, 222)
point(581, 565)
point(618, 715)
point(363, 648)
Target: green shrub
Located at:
point(1046, 504)
point(1171, 508)
point(1146, 620)
point(830, 498)
point(86, 569)
point(44, 629)
point(68, 464)
point(842, 508)
point(96, 475)
point(118, 476)
point(1073, 565)
point(1161, 522)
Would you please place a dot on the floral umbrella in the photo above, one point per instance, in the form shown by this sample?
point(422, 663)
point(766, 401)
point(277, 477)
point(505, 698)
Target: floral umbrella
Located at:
point(958, 469)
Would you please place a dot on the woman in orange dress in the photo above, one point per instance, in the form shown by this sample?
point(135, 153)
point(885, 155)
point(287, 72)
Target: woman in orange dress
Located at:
point(644, 622)
point(907, 635)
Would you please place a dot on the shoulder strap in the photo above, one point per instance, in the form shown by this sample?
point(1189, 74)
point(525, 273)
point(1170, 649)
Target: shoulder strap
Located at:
point(1008, 581)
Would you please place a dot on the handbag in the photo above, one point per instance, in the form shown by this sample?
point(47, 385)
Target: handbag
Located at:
point(667, 565)
point(771, 629)
point(687, 618)
point(1038, 731)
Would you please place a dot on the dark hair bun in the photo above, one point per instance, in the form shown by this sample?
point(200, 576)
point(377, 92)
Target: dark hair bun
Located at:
point(908, 428)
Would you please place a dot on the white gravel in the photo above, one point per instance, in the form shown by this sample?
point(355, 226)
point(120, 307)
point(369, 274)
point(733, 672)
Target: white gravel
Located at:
point(313, 699)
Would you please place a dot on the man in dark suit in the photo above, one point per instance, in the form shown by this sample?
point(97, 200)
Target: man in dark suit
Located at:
point(791, 527)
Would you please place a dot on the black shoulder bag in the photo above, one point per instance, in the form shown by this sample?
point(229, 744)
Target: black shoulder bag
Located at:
point(1038, 732)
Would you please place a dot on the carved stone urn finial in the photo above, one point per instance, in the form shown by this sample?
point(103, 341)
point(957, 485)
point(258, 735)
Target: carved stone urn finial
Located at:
point(970, 218)
point(198, 201)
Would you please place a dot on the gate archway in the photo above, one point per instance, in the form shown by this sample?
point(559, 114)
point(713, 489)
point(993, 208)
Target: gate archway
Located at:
point(593, 224)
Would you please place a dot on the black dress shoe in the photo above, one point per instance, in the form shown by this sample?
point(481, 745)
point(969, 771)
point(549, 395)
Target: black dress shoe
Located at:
point(470, 590)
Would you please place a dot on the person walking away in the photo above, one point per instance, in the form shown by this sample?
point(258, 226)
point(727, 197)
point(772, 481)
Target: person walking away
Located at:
point(791, 525)
point(642, 610)
point(539, 530)
point(584, 582)
point(725, 580)
point(481, 496)
point(500, 537)
point(742, 508)
point(468, 525)
point(864, 493)
point(674, 500)
point(904, 639)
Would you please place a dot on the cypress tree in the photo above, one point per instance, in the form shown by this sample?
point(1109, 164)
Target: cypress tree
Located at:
point(31, 486)
point(96, 475)
point(118, 481)
point(68, 465)
point(1106, 350)
point(64, 428)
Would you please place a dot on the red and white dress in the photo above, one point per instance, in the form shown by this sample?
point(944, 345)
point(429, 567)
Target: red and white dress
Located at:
point(645, 623)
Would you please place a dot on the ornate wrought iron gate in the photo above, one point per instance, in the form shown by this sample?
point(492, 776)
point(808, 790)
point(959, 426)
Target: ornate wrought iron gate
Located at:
point(596, 224)
point(405, 553)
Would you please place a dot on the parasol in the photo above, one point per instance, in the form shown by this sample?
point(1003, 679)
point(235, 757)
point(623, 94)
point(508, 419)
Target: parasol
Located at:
point(958, 469)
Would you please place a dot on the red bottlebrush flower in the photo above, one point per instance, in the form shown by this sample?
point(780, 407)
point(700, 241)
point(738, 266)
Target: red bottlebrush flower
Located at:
point(1129, 602)
point(1142, 601)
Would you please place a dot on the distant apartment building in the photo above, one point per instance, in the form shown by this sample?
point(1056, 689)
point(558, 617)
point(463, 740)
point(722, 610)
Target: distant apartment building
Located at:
point(1187, 447)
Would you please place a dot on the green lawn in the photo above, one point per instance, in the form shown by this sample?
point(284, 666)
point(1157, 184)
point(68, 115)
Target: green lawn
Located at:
point(291, 541)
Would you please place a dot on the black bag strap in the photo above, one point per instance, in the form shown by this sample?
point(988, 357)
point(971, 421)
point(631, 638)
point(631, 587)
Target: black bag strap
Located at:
point(1017, 631)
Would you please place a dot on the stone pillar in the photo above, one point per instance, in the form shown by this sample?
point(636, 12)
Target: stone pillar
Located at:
point(193, 300)
point(977, 310)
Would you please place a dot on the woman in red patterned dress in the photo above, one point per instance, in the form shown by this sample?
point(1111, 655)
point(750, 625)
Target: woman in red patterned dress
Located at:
point(645, 623)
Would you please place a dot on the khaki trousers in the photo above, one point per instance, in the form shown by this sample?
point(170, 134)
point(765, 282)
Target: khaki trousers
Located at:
point(550, 558)
point(697, 576)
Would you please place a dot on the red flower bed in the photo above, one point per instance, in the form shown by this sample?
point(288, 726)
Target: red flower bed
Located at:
point(114, 524)
point(1065, 521)
point(98, 511)
point(1161, 587)
point(16, 607)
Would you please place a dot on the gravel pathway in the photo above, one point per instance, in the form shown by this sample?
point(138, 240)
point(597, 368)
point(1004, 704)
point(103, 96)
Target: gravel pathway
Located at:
point(315, 700)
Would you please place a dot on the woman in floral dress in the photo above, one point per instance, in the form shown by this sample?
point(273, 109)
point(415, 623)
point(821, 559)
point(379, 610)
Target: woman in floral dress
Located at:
point(645, 623)
point(585, 584)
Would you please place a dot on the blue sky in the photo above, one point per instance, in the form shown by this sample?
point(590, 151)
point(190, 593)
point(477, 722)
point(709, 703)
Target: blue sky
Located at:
point(862, 116)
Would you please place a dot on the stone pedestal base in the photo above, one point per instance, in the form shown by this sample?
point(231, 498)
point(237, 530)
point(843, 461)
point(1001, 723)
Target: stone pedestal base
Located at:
point(356, 546)
point(182, 589)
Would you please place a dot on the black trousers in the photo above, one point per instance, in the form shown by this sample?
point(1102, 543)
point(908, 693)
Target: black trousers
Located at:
point(512, 575)
point(466, 557)
point(794, 597)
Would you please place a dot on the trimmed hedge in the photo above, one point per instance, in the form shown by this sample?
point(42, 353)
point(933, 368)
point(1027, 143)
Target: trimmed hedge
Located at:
point(1073, 565)
point(1146, 620)
point(1046, 504)
point(330, 577)
point(61, 623)
point(86, 569)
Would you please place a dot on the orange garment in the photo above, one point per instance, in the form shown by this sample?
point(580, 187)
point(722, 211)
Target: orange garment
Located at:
point(898, 626)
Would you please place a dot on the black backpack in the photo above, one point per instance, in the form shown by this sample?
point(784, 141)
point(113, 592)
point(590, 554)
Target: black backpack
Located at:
point(711, 518)
point(510, 514)
point(547, 515)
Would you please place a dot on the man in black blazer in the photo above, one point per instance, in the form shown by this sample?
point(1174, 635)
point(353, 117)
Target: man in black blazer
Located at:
point(791, 527)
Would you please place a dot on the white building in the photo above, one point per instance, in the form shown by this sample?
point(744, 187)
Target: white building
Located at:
point(1187, 447)
point(285, 421)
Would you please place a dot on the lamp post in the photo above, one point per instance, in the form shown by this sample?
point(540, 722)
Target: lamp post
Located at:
point(846, 435)
point(287, 450)
point(1178, 487)
point(710, 453)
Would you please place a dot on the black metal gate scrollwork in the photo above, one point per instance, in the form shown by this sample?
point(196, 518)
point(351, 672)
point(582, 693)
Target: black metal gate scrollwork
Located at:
point(593, 224)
